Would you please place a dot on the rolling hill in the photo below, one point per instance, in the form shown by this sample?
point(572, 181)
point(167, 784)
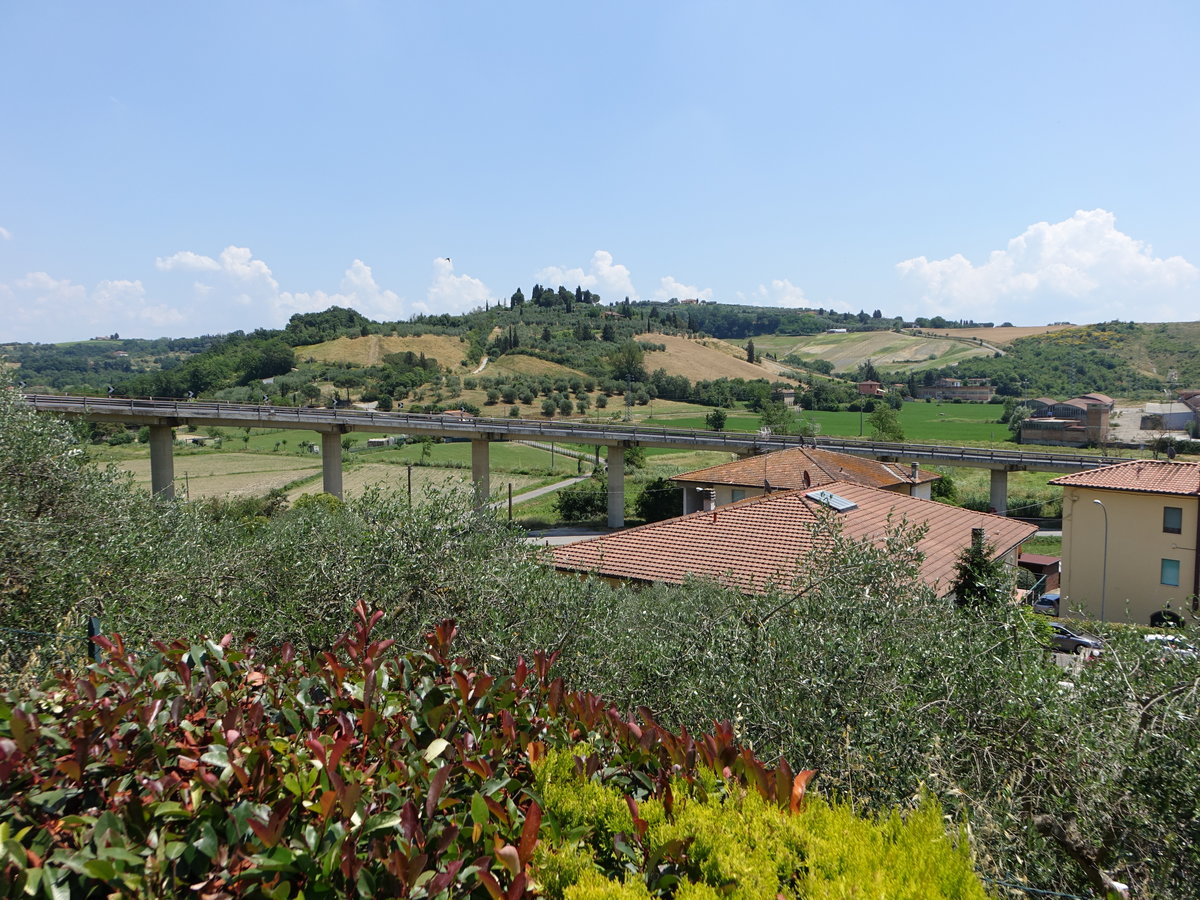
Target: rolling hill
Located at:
point(886, 349)
point(700, 360)
point(448, 350)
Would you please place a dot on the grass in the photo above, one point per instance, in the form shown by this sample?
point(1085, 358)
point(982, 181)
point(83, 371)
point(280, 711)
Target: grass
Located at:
point(448, 350)
point(1046, 546)
point(701, 361)
point(886, 349)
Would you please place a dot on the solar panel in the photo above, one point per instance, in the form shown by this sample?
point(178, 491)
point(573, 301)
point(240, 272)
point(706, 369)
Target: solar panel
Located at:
point(833, 501)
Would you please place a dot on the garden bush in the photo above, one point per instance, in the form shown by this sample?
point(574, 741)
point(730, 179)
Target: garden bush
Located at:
point(203, 767)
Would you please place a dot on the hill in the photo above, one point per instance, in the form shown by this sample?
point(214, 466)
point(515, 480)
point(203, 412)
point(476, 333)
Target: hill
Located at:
point(520, 364)
point(1001, 334)
point(372, 348)
point(886, 349)
point(703, 359)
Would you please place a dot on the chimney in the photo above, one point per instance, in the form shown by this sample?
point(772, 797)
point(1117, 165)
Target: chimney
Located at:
point(977, 538)
point(709, 498)
point(915, 471)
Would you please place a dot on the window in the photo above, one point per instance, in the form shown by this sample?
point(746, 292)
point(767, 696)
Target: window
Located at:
point(1170, 572)
point(1172, 520)
point(738, 494)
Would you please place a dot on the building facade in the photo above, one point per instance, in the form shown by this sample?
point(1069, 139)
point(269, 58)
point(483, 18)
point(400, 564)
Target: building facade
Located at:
point(1130, 540)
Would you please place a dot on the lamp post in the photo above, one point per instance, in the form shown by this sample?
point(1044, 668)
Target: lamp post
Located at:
point(1104, 564)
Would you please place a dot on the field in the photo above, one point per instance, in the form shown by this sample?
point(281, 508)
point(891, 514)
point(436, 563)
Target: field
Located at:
point(220, 474)
point(999, 335)
point(703, 360)
point(356, 479)
point(885, 349)
point(370, 350)
point(520, 364)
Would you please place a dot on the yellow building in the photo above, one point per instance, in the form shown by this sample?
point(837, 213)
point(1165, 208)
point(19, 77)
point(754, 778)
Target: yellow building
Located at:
point(1130, 540)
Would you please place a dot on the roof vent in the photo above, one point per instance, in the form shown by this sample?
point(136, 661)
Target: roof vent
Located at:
point(833, 501)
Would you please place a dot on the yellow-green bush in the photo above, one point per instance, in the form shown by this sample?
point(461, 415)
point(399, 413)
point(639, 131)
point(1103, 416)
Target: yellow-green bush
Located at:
point(717, 840)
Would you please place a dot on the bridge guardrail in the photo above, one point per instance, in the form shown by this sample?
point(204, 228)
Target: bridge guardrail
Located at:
point(266, 415)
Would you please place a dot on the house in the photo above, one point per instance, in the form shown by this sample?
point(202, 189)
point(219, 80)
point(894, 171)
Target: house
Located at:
point(1191, 399)
point(972, 390)
point(1078, 422)
point(762, 541)
point(871, 389)
point(795, 469)
point(1130, 539)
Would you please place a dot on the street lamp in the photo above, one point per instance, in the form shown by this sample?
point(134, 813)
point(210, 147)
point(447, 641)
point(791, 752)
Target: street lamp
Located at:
point(1104, 565)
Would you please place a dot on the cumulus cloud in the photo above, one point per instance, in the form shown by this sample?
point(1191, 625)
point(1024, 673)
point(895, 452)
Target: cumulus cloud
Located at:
point(779, 292)
point(450, 293)
point(669, 286)
point(358, 290)
point(1081, 269)
point(609, 279)
point(40, 303)
point(5, 234)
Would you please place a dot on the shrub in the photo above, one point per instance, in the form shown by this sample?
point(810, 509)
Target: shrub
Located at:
point(351, 773)
point(584, 501)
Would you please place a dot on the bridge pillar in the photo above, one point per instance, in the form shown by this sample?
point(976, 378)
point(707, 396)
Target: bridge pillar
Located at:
point(998, 499)
point(162, 462)
point(331, 463)
point(616, 487)
point(479, 472)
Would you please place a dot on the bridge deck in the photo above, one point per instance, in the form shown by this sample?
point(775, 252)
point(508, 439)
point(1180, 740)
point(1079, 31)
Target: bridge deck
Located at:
point(211, 413)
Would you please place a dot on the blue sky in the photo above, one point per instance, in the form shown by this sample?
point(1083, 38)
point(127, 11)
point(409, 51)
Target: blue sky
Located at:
point(178, 169)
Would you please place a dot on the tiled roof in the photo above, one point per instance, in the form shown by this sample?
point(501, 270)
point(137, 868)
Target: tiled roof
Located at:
point(755, 542)
point(785, 470)
point(1152, 476)
point(1097, 396)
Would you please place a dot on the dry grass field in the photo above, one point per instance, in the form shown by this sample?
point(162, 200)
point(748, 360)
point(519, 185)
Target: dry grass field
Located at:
point(228, 474)
point(370, 350)
point(884, 348)
point(1000, 335)
point(703, 360)
point(358, 478)
point(519, 364)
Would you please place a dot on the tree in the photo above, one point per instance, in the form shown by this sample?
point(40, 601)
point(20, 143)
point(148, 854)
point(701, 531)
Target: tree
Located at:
point(549, 408)
point(583, 501)
point(980, 580)
point(627, 361)
point(715, 420)
point(517, 300)
point(660, 499)
point(779, 418)
point(885, 424)
point(868, 372)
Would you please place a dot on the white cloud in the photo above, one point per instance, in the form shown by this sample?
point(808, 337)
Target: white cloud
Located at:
point(450, 293)
point(358, 290)
point(5, 234)
point(187, 260)
point(610, 280)
point(669, 287)
point(1081, 269)
point(41, 302)
point(780, 292)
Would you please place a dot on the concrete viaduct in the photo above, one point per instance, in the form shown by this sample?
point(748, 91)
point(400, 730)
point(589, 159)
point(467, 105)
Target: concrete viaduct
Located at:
point(161, 416)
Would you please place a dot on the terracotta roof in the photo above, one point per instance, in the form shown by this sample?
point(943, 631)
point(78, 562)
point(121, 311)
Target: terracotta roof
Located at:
point(753, 543)
point(785, 470)
point(1151, 476)
point(1096, 396)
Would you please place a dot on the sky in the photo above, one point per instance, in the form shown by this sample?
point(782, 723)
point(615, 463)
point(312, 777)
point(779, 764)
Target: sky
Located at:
point(171, 169)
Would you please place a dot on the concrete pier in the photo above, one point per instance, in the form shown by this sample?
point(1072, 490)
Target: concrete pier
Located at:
point(479, 472)
point(331, 463)
point(998, 497)
point(616, 487)
point(162, 462)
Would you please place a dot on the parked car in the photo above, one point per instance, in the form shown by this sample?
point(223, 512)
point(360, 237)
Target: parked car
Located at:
point(1047, 604)
point(1073, 640)
point(1173, 646)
